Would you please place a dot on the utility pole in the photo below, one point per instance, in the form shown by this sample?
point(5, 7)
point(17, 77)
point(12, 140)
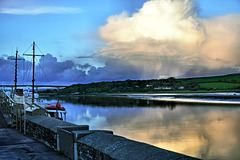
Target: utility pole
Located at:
point(33, 80)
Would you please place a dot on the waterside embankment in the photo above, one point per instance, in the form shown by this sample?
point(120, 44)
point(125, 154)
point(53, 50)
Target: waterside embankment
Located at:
point(78, 142)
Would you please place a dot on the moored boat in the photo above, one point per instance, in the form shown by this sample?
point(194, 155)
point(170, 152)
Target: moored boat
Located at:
point(29, 99)
point(54, 107)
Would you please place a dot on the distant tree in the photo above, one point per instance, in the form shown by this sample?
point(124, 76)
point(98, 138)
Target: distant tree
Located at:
point(171, 79)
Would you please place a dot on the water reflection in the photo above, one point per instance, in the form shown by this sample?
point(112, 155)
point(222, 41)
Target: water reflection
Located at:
point(207, 132)
point(117, 101)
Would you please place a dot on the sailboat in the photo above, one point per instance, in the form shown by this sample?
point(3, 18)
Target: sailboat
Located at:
point(30, 99)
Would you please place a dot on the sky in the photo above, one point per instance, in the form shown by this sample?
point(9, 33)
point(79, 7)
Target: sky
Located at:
point(108, 40)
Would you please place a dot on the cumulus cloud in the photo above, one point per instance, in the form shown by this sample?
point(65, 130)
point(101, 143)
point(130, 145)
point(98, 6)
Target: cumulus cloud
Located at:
point(5, 68)
point(47, 70)
point(168, 38)
point(65, 71)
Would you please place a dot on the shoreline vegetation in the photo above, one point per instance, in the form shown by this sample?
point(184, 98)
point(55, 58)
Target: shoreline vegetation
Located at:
point(213, 84)
point(212, 90)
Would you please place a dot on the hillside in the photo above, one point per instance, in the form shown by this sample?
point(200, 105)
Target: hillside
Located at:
point(229, 82)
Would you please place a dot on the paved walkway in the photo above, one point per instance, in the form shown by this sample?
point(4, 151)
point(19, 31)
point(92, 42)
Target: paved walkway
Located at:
point(15, 146)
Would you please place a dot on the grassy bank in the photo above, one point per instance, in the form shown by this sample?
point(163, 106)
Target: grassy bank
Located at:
point(227, 83)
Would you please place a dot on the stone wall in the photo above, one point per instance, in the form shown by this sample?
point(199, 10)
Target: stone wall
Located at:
point(45, 128)
point(106, 146)
point(78, 142)
point(42, 133)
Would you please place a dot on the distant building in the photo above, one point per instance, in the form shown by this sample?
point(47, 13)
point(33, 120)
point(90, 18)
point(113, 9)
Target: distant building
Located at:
point(166, 88)
point(148, 85)
point(181, 87)
point(163, 88)
point(75, 93)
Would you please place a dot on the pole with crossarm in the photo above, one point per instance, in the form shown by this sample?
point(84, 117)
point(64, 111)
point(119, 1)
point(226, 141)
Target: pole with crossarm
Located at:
point(33, 80)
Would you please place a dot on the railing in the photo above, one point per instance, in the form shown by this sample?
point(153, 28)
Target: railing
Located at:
point(14, 110)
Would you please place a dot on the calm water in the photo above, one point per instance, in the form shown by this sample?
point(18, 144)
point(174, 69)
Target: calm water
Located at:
point(204, 131)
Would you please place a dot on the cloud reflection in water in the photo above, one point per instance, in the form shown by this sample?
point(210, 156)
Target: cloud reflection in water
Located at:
point(203, 131)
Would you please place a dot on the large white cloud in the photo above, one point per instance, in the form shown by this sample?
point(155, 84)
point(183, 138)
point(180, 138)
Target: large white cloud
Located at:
point(168, 38)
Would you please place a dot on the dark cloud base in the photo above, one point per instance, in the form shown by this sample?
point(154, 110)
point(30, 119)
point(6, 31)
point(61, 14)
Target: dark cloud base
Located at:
point(68, 72)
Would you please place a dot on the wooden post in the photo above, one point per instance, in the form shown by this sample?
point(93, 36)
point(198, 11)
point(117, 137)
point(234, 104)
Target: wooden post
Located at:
point(20, 119)
point(9, 108)
point(24, 119)
point(16, 108)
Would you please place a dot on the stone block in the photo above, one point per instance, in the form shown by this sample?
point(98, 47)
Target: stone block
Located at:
point(66, 138)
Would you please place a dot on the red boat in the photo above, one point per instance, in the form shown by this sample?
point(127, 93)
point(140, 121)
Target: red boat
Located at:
point(56, 111)
point(55, 107)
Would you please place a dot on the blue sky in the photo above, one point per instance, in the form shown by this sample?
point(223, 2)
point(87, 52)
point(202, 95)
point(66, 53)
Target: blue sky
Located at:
point(79, 28)
point(210, 8)
point(75, 32)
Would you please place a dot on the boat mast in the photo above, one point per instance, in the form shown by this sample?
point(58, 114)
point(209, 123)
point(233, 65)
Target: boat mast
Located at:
point(16, 59)
point(33, 80)
point(33, 72)
point(15, 80)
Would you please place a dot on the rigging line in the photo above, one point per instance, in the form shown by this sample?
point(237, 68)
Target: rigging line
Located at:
point(39, 49)
point(25, 71)
point(10, 65)
point(43, 65)
point(27, 74)
point(24, 76)
point(21, 71)
point(44, 74)
point(11, 76)
point(28, 49)
point(38, 75)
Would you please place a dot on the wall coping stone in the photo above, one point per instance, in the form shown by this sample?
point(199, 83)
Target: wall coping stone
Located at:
point(79, 134)
point(122, 148)
point(73, 128)
point(49, 122)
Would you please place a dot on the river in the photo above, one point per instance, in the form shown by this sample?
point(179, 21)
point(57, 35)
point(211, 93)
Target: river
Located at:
point(206, 131)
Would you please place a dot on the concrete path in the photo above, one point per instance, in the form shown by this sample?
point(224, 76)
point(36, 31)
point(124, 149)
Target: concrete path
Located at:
point(15, 146)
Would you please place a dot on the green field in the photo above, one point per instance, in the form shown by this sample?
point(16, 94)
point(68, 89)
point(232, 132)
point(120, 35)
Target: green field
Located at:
point(225, 78)
point(220, 85)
